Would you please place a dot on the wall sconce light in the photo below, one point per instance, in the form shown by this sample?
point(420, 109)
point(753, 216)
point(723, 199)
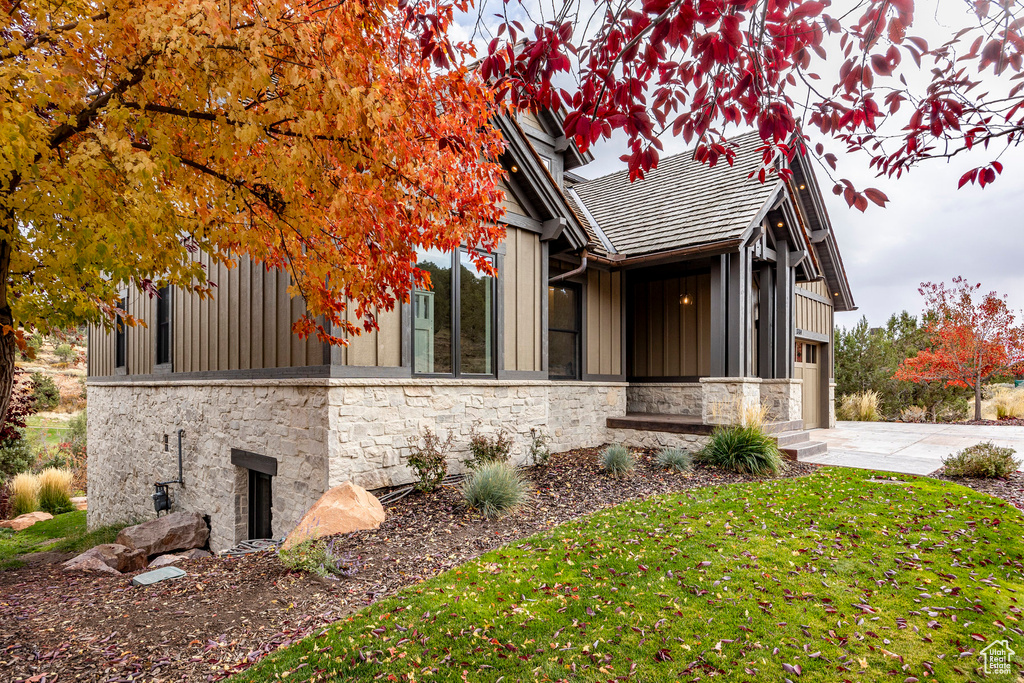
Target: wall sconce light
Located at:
point(515, 169)
point(685, 299)
point(802, 187)
point(780, 224)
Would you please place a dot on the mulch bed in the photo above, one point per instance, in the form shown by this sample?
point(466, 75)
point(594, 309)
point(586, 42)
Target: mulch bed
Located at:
point(1010, 489)
point(230, 612)
point(1005, 422)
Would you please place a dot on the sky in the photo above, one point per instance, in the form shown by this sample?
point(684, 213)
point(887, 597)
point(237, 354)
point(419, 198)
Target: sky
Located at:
point(929, 231)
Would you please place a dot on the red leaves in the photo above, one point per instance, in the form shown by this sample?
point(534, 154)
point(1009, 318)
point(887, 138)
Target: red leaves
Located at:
point(806, 9)
point(983, 175)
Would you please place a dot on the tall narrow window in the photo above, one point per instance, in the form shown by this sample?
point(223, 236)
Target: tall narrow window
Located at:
point(564, 332)
point(453, 321)
point(163, 326)
point(120, 338)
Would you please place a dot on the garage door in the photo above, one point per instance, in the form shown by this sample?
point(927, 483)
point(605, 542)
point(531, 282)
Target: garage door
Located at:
point(808, 368)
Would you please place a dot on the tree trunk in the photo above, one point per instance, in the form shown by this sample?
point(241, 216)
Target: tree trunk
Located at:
point(8, 347)
point(977, 398)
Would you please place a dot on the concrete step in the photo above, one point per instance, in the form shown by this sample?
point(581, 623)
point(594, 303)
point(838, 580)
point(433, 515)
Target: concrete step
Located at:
point(804, 450)
point(792, 438)
point(654, 422)
point(779, 427)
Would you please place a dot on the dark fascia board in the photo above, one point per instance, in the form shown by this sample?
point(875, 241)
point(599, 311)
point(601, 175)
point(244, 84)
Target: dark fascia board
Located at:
point(574, 158)
point(532, 172)
point(823, 234)
point(254, 461)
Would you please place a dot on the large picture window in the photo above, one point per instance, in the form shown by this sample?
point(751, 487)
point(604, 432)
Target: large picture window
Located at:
point(453, 322)
point(564, 332)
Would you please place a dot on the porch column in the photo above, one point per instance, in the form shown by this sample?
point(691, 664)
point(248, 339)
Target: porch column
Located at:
point(719, 273)
point(784, 324)
point(766, 324)
point(737, 362)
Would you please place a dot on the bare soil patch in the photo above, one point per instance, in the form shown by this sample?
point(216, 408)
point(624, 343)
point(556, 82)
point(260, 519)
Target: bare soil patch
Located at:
point(230, 612)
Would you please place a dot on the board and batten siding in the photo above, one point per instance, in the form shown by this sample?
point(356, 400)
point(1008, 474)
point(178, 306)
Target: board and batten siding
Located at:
point(244, 325)
point(811, 314)
point(524, 294)
point(604, 322)
point(672, 339)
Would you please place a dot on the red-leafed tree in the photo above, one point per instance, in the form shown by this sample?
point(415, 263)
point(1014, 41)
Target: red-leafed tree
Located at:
point(973, 337)
point(695, 68)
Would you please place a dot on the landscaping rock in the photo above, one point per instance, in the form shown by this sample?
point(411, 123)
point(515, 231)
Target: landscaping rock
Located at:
point(22, 522)
point(114, 555)
point(89, 564)
point(176, 531)
point(80, 503)
point(341, 510)
point(173, 558)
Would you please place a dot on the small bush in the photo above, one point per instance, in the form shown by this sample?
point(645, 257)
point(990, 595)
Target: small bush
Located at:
point(914, 414)
point(540, 454)
point(862, 407)
point(678, 459)
point(24, 490)
point(15, 457)
point(617, 460)
point(486, 449)
point(320, 557)
point(45, 395)
point(746, 450)
point(956, 409)
point(77, 429)
point(65, 353)
point(430, 462)
point(981, 461)
point(55, 490)
point(494, 488)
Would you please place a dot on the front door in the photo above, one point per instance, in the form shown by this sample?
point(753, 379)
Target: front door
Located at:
point(808, 368)
point(260, 503)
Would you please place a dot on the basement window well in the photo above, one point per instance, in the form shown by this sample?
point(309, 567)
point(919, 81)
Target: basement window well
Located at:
point(260, 501)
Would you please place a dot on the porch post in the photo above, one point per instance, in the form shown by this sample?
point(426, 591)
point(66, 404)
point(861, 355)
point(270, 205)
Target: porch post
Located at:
point(719, 271)
point(784, 331)
point(766, 324)
point(737, 362)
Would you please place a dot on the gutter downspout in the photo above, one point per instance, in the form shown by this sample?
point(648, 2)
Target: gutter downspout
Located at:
point(571, 273)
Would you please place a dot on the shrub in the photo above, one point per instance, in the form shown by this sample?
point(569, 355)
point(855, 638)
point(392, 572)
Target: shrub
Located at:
point(77, 430)
point(540, 454)
point(983, 460)
point(24, 489)
point(956, 409)
point(45, 394)
point(65, 353)
point(914, 414)
point(746, 450)
point(494, 488)
point(430, 462)
point(32, 345)
point(55, 490)
point(617, 460)
point(320, 557)
point(15, 457)
point(486, 449)
point(678, 459)
point(862, 407)
point(18, 409)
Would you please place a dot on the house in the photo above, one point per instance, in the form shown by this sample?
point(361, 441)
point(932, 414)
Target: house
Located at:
point(639, 313)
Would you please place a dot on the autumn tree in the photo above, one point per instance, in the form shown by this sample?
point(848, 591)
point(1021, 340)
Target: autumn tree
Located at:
point(973, 337)
point(696, 68)
point(329, 139)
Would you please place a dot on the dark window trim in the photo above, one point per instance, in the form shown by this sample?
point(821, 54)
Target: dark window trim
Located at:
point(456, 324)
point(578, 288)
point(121, 339)
point(254, 461)
point(163, 354)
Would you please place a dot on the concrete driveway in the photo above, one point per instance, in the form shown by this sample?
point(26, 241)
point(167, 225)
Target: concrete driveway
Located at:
point(906, 448)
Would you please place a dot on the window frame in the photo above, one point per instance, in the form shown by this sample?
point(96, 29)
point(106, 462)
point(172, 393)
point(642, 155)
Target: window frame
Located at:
point(578, 288)
point(456, 321)
point(121, 339)
point(165, 296)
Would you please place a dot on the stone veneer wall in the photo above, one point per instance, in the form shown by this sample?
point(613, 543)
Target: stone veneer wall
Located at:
point(322, 432)
point(783, 398)
point(831, 405)
point(725, 398)
point(679, 398)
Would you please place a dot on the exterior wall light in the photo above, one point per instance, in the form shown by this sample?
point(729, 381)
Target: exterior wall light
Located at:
point(780, 224)
point(685, 299)
point(515, 169)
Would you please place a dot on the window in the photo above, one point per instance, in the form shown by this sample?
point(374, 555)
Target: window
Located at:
point(799, 352)
point(564, 332)
point(163, 326)
point(120, 337)
point(453, 322)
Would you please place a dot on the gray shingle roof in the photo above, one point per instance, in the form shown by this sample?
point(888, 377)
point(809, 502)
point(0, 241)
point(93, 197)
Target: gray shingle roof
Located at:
point(680, 204)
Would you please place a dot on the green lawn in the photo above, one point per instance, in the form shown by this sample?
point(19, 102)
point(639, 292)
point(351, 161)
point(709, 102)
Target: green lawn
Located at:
point(826, 578)
point(45, 432)
point(69, 528)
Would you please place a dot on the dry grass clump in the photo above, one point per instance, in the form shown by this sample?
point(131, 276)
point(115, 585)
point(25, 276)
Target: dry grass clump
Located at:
point(914, 414)
point(1008, 403)
point(24, 490)
point(72, 393)
point(55, 490)
point(860, 407)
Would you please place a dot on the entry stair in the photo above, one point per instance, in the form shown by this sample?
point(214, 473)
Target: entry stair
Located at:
point(794, 441)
